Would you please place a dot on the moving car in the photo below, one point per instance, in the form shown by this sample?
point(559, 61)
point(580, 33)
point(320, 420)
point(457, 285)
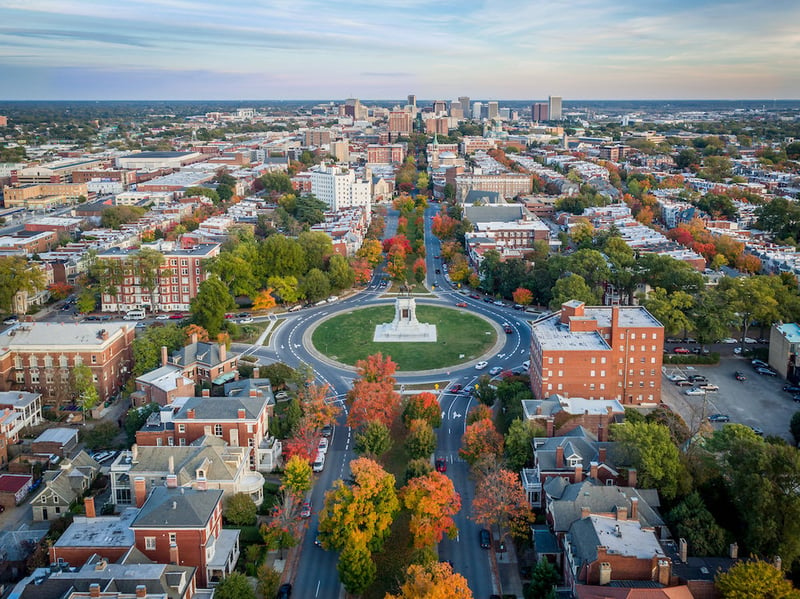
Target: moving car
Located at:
point(305, 510)
point(461, 305)
point(455, 388)
point(441, 465)
point(495, 370)
point(485, 538)
point(508, 330)
point(681, 350)
point(739, 375)
point(719, 418)
point(481, 365)
point(694, 391)
point(757, 431)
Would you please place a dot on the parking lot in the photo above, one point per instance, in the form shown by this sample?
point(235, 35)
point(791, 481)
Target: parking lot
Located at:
point(758, 401)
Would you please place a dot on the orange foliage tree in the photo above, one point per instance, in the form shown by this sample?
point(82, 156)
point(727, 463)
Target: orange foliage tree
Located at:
point(396, 265)
point(60, 290)
point(500, 502)
point(373, 396)
point(425, 407)
point(522, 296)
point(419, 270)
point(361, 270)
point(480, 439)
point(433, 581)
point(264, 300)
point(432, 501)
point(748, 263)
point(195, 329)
point(444, 226)
point(316, 408)
point(400, 241)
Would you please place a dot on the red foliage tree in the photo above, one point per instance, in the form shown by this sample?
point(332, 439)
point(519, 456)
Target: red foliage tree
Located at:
point(480, 439)
point(419, 270)
point(522, 296)
point(423, 406)
point(399, 240)
point(443, 226)
point(362, 271)
point(303, 442)
point(373, 396)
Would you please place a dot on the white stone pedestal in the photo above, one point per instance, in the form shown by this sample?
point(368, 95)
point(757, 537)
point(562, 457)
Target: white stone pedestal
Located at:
point(405, 327)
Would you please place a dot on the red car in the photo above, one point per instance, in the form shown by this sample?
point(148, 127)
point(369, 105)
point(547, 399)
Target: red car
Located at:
point(455, 388)
point(508, 329)
point(681, 350)
point(461, 305)
point(441, 465)
point(305, 510)
point(176, 316)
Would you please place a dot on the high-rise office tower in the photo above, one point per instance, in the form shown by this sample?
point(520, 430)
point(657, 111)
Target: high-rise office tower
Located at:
point(555, 108)
point(477, 108)
point(464, 101)
point(412, 100)
point(456, 110)
point(539, 111)
point(439, 107)
point(493, 110)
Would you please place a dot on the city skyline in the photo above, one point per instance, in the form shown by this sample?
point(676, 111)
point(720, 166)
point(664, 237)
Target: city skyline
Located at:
point(176, 49)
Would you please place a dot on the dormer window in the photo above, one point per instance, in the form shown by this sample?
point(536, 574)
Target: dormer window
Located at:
point(201, 474)
point(574, 462)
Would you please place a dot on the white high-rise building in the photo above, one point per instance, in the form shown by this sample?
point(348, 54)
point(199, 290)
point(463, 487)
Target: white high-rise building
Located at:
point(555, 108)
point(477, 108)
point(338, 187)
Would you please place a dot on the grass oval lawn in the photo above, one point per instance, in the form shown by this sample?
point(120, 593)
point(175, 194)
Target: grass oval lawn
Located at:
point(460, 336)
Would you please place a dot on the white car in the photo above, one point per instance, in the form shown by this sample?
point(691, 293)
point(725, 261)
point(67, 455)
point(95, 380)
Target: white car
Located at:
point(481, 365)
point(750, 340)
point(496, 370)
point(323, 445)
point(162, 317)
point(694, 391)
point(499, 303)
point(246, 320)
point(728, 340)
point(676, 377)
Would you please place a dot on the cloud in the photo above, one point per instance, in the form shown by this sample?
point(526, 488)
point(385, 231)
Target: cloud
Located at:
point(386, 74)
point(89, 36)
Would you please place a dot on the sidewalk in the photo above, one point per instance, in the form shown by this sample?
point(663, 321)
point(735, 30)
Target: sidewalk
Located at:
point(508, 567)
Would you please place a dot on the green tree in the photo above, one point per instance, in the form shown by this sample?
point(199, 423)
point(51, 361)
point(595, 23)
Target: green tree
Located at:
point(235, 270)
point(86, 301)
point(276, 182)
point(373, 440)
point(317, 247)
point(211, 194)
point(315, 285)
point(687, 158)
point(518, 445)
point(794, 427)
point(543, 578)
point(234, 586)
point(268, 581)
point(210, 304)
point(100, 436)
point(418, 467)
point(755, 579)
point(309, 210)
point(113, 217)
point(135, 419)
point(17, 274)
point(87, 395)
point(485, 391)
point(286, 288)
point(146, 264)
point(147, 346)
point(356, 568)
point(572, 287)
point(648, 447)
point(711, 316)
point(751, 298)
point(421, 440)
point(671, 310)
point(281, 257)
point(340, 273)
point(691, 520)
point(592, 266)
point(240, 509)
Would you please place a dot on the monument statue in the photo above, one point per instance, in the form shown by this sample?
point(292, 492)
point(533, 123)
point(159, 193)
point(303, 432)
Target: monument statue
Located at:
point(405, 327)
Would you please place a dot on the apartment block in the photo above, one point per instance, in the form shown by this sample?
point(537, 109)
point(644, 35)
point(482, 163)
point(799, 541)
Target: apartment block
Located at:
point(400, 122)
point(40, 196)
point(508, 185)
point(603, 352)
point(339, 188)
point(386, 154)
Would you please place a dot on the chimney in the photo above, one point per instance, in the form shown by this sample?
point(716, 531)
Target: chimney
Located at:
point(164, 355)
point(634, 508)
point(178, 380)
point(256, 372)
point(141, 591)
point(201, 484)
point(100, 566)
point(593, 470)
point(664, 572)
point(206, 393)
point(777, 562)
point(585, 512)
point(614, 320)
point(140, 490)
point(253, 392)
point(683, 549)
point(134, 452)
point(601, 455)
point(171, 467)
point(550, 427)
point(223, 352)
point(174, 557)
point(605, 573)
point(578, 473)
point(190, 413)
point(194, 338)
point(242, 413)
point(559, 457)
point(602, 434)
point(94, 590)
point(733, 550)
point(539, 410)
point(632, 477)
point(88, 505)
point(172, 480)
point(622, 513)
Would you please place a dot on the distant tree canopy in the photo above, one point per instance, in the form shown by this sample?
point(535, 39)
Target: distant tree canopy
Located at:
point(113, 217)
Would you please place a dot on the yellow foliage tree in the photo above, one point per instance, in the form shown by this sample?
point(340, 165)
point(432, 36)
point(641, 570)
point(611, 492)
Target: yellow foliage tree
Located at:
point(264, 300)
point(434, 581)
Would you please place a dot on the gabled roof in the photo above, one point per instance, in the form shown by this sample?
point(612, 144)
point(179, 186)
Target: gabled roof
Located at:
point(576, 443)
point(216, 409)
point(178, 507)
point(201, 352)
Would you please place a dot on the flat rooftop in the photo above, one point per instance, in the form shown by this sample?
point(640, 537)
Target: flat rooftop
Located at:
point(52, 336)
point(790, 331)
point(631, 540)
point(102, 531)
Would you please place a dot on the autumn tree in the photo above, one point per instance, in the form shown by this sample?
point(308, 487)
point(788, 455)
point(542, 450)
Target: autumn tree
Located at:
point(500, 502)
point(396, 265)
point(421, 440)
point(194, 329)
point(522, 296)
point(754, 579)
point(433, 581)
point(264, 300)
point(356, 568)
point(373, 440)
point(443, 226)
point(362, 273)
point(297, 476)
point(303, 441)
point(432, 501)
point(425, 406)
point(373, 396)
point(370, 251)
point(366, 507)
point(478, 413)
point(480, 439)
point(317, 409)
point(419, 270)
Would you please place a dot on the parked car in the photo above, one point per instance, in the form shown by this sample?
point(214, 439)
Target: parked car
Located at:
point(498, 303)
point(305, 510)
point(684, 383)
point(759, 364)
point(461, 304)
point(681, 350)
point(719, 418)
point(474, 296)
point(11, 320)
point(246, 320)
point(766, 372)
point(739, 375)
point(791, 388)
point(518, 307)
point(481, 365)
point(697, 378)
point(176, 316)
point(323, 445)
point(495, 370)
point(757, 431)
point(441, 465)
point(485, 538)
point(488, 300)
point(709, 387)
point(284, 592)
point(676, 377)
point(672, 340)
point(327, 430)
point(728, 340)
point(750, 340)
point(694, 391)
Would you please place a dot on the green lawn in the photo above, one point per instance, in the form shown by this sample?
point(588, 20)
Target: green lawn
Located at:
point(461, 336)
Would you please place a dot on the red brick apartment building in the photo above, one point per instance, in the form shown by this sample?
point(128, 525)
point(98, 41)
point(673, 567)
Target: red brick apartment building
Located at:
point(38, 356)
point(386, 154)
point(603, 352)
point(179, 280)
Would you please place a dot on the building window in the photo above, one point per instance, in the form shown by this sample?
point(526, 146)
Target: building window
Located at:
point(150, 543)
point(655, 336)
point(633, 335)
point(594, 360)
point(159, 442)
point(48, 361)
point(561, 359)
point(33, 362)
point(602, 386)
point(591, 386)
point(560, 373)
point(94, 359)
point(603, 360)
point(217, 430)
point(602, 373)
point(170, 441)
point(592, 373)
point(34, 376)
point(182, 442)
point(549, 361)
point(173, 538)
point(181, 428)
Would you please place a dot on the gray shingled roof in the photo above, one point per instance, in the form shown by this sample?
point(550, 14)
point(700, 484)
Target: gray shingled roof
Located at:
point(599, 499)
point(577, 442)
point(177, 508)
point(494, 213)
point(222, 408)
point(200, 352)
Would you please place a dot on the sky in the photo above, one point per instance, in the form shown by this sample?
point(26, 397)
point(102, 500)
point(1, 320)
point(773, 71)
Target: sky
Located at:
point(386, 49)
